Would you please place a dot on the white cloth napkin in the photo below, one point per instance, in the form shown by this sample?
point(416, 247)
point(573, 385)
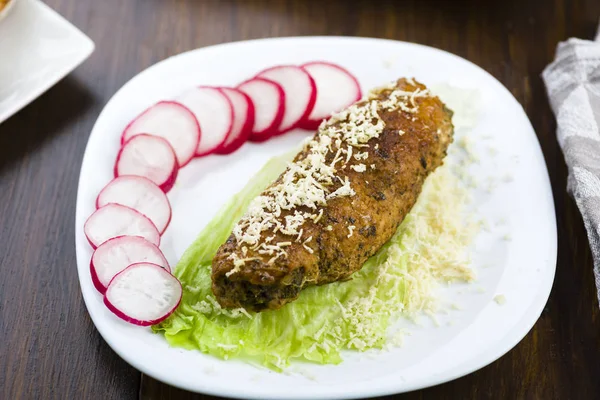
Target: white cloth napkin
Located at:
point(573, 85)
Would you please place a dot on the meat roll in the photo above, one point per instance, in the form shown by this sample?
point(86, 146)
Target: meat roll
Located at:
point(343, 197)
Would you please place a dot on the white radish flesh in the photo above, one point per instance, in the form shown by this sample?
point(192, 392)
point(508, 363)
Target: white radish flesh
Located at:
point(214, 113)
point(268, 98)
point(243, 120)
point(336, 89)
point(114, 220)
point(116, 254)
point(300, 93)
point(143, 294)
point(142, 195)
point(171, 121)
point(151, 157)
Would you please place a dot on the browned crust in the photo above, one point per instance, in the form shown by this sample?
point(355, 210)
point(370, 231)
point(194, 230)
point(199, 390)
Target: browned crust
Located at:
point(384, 195)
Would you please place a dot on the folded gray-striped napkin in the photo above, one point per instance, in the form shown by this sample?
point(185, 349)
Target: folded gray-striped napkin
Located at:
point(573, 85)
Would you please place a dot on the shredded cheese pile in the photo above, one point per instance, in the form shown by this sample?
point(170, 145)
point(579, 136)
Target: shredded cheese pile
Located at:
point(431, 245)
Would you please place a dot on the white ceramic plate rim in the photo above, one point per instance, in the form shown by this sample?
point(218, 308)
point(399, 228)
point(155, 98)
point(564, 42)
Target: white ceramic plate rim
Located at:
point(360, 390)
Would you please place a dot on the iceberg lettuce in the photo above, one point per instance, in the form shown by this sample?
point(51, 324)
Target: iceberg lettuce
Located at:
point(431, 244)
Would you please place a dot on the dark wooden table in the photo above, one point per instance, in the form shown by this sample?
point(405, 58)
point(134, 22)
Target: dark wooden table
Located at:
point(49, 348)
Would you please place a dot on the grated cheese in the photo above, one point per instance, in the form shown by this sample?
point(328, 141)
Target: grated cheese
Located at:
point(362, 156)
point(310, 182)
point(348, 154)
point(344, 190)
point(351, 229)
point(318, 218)
point(310, 250)
point(431, 246)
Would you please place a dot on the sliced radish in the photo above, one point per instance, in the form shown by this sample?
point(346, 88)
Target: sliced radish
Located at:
point(268, 98)
point(151, 157)
point(114, 220)
point(142, 195)
point(300, 93)
point(143, 294)
point(243, 119)
point(116, 254)
point(214, 112)
point(336, 89)
point(171, 121)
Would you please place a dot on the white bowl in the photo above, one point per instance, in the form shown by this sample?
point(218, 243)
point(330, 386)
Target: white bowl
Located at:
point(40, 48)
point(7, 9)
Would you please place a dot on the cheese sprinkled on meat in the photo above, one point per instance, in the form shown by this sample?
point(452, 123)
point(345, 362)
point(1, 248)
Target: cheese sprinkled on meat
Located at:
point(363, 156)
point(359, 167)
point(309, 182)
point(351, 229)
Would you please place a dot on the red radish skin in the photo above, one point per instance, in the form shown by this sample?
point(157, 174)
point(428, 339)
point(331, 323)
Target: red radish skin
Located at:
point(143, 294)
point(116, 254)
point(95, 280)
point(142, 195)
point(171, 121)
point(336, 87)
point(114, 220)
point(268, 98)
point(243, 120)
point(214, 113)
point(300, 94)
point(151, 157)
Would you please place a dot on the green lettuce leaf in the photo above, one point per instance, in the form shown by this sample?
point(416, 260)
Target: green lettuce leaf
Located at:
point(430, 244)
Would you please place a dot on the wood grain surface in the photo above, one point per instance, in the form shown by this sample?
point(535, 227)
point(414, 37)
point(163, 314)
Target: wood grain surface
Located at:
point(49, 348)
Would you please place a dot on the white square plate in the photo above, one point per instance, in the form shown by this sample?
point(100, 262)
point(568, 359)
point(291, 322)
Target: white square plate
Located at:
point(520, 252)
point(38, 47)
